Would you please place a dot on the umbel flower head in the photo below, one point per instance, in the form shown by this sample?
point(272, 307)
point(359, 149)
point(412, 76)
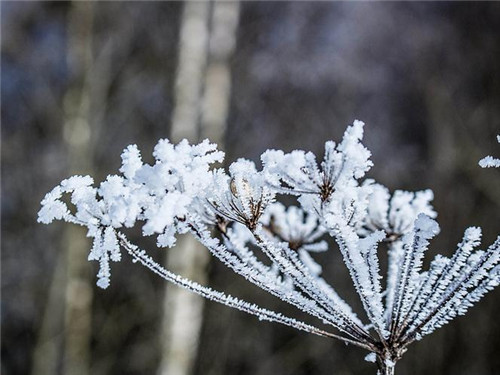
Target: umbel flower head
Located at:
point(243, 195)
point(235, 215)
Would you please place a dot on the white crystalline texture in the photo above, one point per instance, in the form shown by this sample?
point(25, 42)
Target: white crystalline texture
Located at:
point(427, 227)
point(356, 156)
point(396, 214)
point(490, 161)
point(295, 226)
point(372, 357)
point(236, 217)
point(105, 247)
point(52, 208)
point(298, 173)
point(243, 195)
point(131, 161)
point(76, 182)
point(158, 195)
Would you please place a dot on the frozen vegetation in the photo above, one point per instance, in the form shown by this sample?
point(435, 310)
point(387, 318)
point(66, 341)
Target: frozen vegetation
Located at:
point(237, 217)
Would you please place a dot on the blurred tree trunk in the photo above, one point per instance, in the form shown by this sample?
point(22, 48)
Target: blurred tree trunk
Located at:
point(201, 107)
point(46, 356)
point(70, 300)
point(182, 311)
point(216, 98)
point(78, 135)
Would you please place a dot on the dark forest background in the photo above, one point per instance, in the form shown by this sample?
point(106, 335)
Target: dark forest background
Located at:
point(80, 81)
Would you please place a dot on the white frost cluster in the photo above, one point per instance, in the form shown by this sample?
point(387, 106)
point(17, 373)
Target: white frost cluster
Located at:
point(160, 195)
point(395, 214)
point(490, 161)
point(235, 215)
point(242, 196)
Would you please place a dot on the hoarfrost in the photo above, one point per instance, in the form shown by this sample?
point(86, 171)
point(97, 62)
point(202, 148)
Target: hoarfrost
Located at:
point(235, 215)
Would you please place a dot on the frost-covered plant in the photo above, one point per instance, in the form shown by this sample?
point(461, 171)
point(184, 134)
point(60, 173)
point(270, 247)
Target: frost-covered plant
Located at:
point(235, 214)
point(490, 161)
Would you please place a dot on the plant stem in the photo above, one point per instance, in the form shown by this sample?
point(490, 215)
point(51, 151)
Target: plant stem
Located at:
point(385, 366)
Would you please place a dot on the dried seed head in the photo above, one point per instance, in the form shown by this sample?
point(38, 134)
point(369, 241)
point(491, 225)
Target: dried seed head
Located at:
point(242, 187)
point(232, 186)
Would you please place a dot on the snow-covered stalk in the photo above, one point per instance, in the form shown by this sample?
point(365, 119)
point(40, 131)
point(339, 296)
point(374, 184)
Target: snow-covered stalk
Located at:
point(236, 216)
point(385, 367)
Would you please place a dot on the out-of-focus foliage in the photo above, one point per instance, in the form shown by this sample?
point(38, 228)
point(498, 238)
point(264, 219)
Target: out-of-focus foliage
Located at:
point(424, 76)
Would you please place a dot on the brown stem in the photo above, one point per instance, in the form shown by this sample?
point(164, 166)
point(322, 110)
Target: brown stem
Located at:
point(385, 366)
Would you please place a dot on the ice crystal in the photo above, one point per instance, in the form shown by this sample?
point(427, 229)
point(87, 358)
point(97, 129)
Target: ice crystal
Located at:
point(490, 161)
point(235, 215)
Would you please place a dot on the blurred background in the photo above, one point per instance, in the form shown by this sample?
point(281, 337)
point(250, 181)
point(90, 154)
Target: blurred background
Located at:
point(82, 80)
